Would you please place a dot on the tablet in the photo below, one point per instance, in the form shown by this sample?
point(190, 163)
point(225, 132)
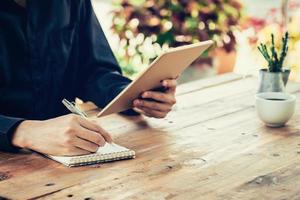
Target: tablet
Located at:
point(169, 65)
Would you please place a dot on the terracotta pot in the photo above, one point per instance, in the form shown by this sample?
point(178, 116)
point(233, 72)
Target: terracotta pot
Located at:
point(224, 62)
point(202, 61)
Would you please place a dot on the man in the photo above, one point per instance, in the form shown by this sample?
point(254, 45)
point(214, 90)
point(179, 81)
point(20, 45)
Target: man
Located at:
point(55, 49)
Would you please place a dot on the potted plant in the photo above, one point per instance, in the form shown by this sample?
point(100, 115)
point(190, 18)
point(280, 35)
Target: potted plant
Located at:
point(145, 28)
point(275, 76)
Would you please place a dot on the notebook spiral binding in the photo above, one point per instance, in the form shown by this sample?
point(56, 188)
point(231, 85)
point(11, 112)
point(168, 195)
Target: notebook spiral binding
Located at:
point(95, 159)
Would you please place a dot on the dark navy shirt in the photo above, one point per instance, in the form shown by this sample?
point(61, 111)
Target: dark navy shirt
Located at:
point(50, 50)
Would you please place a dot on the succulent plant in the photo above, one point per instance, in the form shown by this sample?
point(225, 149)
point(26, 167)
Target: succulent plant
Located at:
point(275, 58)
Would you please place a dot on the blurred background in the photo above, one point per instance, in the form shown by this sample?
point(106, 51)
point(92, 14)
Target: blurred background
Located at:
point(139, 30)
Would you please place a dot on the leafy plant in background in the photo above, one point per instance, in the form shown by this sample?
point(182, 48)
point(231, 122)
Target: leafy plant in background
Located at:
point(275, 60)
point(147, 27)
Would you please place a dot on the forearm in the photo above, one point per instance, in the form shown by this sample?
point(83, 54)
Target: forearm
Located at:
point(21, 136)
point(65, 135)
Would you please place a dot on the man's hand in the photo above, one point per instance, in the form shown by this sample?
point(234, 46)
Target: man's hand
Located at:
point(67, 135)
point(161, 103)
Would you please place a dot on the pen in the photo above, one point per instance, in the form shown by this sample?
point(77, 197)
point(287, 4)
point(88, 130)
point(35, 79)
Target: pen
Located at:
point(72, 107)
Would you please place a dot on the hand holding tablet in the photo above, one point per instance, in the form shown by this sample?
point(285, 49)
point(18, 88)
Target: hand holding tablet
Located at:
point(157, 102)
point(167, 66)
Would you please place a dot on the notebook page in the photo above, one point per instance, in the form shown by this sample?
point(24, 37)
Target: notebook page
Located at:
point(111, 148)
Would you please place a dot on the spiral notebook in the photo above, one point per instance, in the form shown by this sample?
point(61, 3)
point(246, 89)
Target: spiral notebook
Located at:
point(107, 153)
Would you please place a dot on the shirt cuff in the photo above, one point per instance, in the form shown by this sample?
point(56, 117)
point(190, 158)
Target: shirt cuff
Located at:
point(8, 126)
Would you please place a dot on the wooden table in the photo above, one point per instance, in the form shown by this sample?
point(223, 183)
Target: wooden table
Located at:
point(212, 146)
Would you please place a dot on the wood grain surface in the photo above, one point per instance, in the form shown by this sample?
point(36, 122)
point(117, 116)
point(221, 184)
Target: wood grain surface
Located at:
point(212, 146)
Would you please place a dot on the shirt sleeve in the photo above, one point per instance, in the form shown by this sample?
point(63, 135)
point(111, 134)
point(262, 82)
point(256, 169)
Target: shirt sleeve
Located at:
point(104, 77)
point(7, 128)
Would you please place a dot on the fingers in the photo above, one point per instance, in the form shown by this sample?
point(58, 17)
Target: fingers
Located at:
point(152, 113)
point(90, 136)
point(85, 145)
point(163, 101)
point(160, 96)
point(170, 84)
point(105, 134)
point(152, 105)
point(96, 128)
